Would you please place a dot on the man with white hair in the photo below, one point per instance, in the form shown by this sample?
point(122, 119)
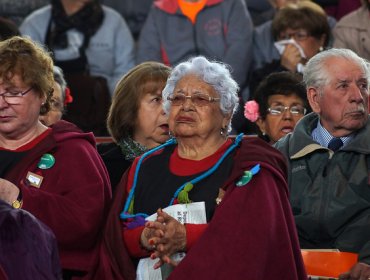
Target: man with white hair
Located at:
point(329, 158)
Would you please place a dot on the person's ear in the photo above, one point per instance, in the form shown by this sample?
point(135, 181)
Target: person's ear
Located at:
point(261, 125)
point(226, 120)
point(314, 96)
point(322, 41)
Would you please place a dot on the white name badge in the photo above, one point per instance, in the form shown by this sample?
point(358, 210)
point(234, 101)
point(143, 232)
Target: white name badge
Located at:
point(35, 180)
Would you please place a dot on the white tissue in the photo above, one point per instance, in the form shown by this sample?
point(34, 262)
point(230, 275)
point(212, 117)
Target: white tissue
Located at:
point(280, 45)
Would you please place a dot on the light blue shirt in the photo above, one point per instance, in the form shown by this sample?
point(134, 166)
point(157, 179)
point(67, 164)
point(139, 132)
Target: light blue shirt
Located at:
point(323, 137)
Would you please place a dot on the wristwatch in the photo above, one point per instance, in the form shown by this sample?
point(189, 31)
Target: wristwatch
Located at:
point(18, 202)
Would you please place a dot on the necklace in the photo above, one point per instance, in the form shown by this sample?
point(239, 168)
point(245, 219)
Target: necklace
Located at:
point(128, 208)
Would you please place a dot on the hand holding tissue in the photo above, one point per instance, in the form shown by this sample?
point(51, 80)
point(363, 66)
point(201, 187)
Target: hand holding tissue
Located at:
point(281, 45)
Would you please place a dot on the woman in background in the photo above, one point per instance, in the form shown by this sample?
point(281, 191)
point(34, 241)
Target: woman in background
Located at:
point(59, 100)
point(136, 120)
point(297, 32)
point(280, 102)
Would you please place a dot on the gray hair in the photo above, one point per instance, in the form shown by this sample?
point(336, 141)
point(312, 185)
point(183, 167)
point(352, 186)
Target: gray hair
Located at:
point(316, 74)
point(216, 74)
point(59, 79)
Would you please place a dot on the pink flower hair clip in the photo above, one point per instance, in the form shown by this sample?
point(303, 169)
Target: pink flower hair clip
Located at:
point(251, 110)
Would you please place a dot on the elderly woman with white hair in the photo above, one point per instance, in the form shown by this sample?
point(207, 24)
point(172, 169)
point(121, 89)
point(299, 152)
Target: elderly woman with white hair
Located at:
point(237, 185)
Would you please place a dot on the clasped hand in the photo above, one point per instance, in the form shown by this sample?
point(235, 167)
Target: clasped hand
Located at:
point(164, 237)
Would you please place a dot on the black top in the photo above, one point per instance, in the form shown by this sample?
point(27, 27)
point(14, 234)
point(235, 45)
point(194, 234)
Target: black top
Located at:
point(114, 161)
point(9, 159)
point(157, 184)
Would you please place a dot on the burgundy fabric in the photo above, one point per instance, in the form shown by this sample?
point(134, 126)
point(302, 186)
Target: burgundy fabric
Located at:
point(28, 248)
point(74, 195)
point(118, 265)
point(3, 274)
point(252, 234)
point(343, 8)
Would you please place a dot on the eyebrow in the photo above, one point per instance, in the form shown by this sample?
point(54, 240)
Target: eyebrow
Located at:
point(280, 103)
point(362, 80)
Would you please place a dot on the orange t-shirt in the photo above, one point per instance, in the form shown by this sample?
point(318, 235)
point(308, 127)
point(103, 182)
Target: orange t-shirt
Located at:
point(191, 9)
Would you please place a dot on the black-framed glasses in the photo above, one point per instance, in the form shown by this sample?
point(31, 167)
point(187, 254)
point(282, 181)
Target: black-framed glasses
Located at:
point(198, 99)
point(280, 109)
point(14, 97)
point(299, 35)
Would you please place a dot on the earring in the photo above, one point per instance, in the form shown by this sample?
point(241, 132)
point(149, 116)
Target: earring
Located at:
point(321, 48)
point(223, 132)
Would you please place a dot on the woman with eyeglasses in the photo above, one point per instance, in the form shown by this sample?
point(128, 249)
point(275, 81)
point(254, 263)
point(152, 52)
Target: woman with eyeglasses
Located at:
point(279, 103)
point(221, 202)
point(297, 32)
point(55, 172)
point(59, 100)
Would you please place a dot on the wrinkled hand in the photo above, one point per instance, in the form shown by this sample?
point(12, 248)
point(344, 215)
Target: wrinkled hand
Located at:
point(360, 271)
point(290, 58)
point(152, 231)
point(173, 240)
point(8, 191)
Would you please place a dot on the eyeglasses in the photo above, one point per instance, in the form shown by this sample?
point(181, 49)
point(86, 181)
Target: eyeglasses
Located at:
point(14, 97)
point(56, 105)
point(294, 110)
point(199, 100)
point(300, 35)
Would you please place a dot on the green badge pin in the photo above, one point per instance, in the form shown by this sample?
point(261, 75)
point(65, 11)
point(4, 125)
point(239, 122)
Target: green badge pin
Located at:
point(247, 175)
point(47, 161)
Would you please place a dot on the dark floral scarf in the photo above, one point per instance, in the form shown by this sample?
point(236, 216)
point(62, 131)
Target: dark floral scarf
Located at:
point(87, 20)
point(131, 149)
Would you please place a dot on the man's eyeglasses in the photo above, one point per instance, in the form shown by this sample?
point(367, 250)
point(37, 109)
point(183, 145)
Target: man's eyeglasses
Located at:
point(300, 35)
point(197, 99)
point(280, 109)
point(14, 97)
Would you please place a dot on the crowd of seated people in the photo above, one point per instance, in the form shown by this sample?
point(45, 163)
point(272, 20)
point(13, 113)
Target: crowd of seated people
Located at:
point(111, 66)
point(95, 46)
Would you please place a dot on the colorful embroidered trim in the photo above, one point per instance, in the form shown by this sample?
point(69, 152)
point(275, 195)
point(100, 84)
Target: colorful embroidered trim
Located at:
point(125, 214)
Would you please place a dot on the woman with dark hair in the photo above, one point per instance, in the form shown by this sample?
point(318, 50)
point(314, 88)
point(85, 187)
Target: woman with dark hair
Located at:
point(279, 103)
point(297, 32)
point(136, 120)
